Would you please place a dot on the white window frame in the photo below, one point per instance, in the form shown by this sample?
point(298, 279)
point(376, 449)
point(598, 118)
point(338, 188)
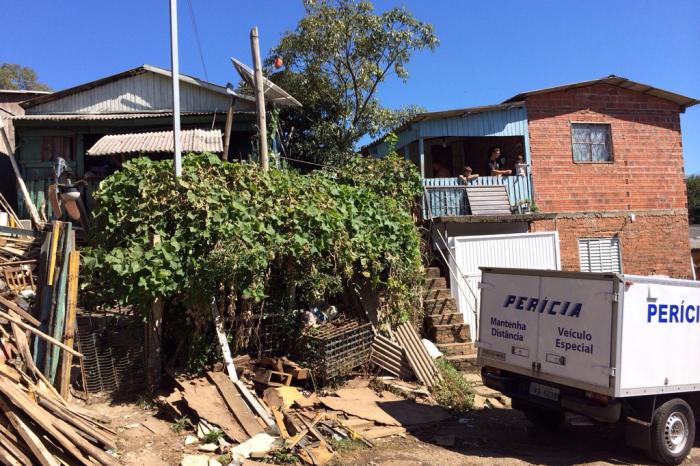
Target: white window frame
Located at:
point(588, 263)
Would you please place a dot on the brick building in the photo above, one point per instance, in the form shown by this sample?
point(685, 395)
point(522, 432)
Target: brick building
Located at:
point(602, 166)
point(608, 161)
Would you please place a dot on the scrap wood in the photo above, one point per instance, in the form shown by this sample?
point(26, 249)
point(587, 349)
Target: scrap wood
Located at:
point(7, 304)
point(281, 397)
point(40, 334)
point(382, 431)
point(204, 400)
point(390, 410)
point(234, 401)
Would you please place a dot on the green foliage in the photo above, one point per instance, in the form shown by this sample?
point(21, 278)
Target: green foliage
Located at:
point(281, 456)
point(347, 445)
point(276, 237)
point(335, 62)
point(212, 436)
point(180, 424)
point(453, 392)
point(390, 177)
point(18, 77)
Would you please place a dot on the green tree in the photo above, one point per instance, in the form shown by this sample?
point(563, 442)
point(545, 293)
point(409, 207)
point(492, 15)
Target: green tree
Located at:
point(335, 61)
point(18, 77)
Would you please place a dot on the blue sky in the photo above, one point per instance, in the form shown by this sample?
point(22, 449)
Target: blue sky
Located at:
point(490, 50)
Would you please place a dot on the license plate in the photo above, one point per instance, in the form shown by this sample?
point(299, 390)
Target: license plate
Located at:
point(544, 391)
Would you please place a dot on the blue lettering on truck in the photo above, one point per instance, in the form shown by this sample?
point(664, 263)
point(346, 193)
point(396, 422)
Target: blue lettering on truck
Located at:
point(543, 306)
point(673, 313)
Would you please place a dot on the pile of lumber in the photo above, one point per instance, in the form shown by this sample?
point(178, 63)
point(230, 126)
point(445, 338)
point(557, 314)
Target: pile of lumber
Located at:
point(37, 426)
point(41, 286)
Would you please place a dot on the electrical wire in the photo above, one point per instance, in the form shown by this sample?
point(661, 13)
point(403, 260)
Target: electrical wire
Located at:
point(196, 36)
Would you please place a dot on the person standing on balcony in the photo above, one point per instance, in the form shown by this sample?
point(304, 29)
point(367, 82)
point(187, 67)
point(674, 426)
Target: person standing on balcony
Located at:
point(496, 163)
point(440, 171)
point(467, 175)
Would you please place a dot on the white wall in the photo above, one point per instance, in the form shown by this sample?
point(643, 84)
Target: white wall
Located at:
point(520, 250)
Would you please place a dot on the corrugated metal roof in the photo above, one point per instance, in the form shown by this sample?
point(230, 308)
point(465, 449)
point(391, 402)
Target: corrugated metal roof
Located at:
point(111, 116)
point(22, 91)
point(683, 101)
point(130, 72)
point(453, 113)
point(193, 140)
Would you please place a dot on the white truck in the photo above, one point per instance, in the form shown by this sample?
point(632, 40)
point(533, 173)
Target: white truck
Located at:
point(618, 349)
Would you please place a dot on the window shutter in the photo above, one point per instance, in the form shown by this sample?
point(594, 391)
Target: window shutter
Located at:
point(599, 255)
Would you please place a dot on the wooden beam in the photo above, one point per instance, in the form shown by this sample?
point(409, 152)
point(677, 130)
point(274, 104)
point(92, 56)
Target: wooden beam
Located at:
point(39, 333)
point(21, 312)
point(30, 438)
point(33, 213)
point(69, 328)
point(228, 128)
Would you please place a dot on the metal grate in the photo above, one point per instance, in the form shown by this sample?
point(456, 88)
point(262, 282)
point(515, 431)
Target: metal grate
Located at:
point(339, 347)
point(113, 349)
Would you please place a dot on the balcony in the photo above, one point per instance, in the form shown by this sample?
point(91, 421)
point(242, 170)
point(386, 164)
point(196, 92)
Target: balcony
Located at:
point(447, 197)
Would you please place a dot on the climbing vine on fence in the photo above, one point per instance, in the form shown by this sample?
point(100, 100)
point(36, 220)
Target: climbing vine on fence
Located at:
point(276, 237)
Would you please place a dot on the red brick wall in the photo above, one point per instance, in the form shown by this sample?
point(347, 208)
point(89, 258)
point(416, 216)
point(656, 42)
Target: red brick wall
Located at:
point(647, 172)
point(655, 243)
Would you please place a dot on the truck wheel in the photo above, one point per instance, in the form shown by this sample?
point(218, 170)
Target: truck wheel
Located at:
point(544, 419)
point(672, 432)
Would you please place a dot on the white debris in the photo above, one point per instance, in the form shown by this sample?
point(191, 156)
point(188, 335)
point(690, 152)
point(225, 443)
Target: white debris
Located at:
point(258, 443)
point(195, 460)
point(191, 439)
point(209, 447)
point(433, 351)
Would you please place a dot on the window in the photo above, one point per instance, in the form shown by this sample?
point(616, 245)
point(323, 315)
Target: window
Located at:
point(599, 254)
point(57, 146)
point(591, 142)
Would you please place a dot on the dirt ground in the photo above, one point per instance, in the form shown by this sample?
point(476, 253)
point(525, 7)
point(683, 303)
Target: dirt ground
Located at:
point(482, 437)
point(502, 437)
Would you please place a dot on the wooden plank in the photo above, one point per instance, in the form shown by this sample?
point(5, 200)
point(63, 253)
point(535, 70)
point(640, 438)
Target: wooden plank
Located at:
point(21, 232)
point(69, 328)
point(42, 418)
point(235, 403)
point(30, 438)
point(21, 312)
point(33, 213)
point(60, 311)
point(39, 333)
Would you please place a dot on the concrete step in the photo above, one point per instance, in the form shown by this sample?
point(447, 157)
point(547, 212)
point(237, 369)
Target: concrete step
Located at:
point(440, 306)
point(458, 333)
point(438, 293)
point(464, 363)
point(446, 318)
point(433, 272)
point(457, 349)
point(435, 283)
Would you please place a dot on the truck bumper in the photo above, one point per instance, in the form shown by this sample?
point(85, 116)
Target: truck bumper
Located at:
point(573, 400)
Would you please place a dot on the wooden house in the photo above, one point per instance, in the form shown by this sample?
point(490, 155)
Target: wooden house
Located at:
point(70, 122)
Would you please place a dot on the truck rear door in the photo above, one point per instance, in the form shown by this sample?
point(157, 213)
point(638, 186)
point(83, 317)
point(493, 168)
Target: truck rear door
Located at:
point(575, 329)
point(505, 335)
point(551, 325)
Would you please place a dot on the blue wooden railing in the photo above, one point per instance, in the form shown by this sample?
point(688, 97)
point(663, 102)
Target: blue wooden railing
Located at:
point(446, 197)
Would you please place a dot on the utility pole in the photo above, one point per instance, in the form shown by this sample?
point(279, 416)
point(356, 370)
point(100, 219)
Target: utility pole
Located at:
point(175, 66)
point(259, 98)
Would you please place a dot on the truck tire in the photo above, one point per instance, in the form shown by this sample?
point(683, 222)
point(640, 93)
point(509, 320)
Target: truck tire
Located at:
point(672, 432)
point(544, 419)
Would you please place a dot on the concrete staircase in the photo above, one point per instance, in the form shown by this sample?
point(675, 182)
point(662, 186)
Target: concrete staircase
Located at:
point(444, 324)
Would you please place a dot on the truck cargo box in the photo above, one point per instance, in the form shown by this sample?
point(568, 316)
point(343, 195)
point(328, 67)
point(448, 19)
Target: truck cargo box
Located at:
point(614, 334)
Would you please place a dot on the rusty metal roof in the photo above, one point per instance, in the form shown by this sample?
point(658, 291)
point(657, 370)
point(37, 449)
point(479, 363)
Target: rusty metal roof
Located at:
point(108, 116)
point(683, 101)
point(193, 140)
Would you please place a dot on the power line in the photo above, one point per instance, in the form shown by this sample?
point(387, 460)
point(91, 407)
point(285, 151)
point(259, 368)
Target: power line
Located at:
point(196, 36)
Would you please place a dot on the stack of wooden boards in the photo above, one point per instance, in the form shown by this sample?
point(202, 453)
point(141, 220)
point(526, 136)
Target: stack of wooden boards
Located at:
point(44, 265)
point(37, 426)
